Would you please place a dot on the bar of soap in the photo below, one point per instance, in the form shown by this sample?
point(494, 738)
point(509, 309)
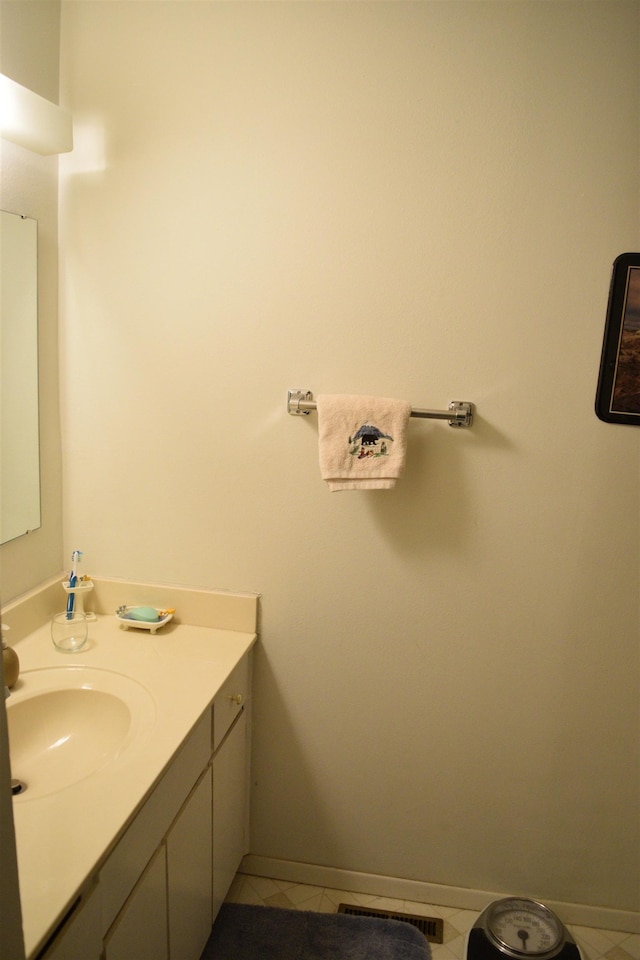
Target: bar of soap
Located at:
point(147, 614)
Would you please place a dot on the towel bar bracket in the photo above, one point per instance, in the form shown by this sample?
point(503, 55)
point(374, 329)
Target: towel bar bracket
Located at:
point(459, 413)
point(462, 413)
point(300, 402)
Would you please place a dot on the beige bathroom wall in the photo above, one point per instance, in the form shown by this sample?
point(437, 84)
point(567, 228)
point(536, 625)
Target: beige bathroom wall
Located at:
point(419, 200)
point(29, 54)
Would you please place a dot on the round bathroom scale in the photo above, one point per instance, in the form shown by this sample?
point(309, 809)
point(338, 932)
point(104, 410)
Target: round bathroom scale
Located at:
point(516, 928)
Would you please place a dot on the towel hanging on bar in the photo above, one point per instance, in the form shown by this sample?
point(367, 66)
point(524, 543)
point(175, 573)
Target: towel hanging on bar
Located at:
point(459, 413)
point(361, 441)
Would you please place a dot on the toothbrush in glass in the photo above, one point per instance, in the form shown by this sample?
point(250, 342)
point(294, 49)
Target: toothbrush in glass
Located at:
point(73, 579)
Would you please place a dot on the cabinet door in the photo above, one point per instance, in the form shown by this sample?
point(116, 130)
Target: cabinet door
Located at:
point(125, 864)
point(230, 798)
point(140, 930)
point(80, 938)
point(189, 874)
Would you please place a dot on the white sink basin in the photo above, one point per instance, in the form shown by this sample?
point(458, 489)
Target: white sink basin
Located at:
point(66, 723)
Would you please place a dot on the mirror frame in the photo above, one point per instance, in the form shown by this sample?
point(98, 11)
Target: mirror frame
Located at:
point(20, 506)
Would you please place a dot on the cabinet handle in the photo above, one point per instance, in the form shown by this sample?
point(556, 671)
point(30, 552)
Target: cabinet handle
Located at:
point(237, 698)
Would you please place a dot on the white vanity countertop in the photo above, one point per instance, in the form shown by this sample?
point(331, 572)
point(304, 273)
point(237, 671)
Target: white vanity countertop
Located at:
point(62, 838)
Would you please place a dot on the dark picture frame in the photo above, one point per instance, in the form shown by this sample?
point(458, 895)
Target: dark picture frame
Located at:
point(618, 393)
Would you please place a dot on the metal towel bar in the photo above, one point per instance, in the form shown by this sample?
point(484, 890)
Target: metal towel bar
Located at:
point(459, 412)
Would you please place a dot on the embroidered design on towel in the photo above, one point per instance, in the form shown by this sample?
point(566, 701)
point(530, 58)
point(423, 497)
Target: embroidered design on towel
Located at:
point(364, 442)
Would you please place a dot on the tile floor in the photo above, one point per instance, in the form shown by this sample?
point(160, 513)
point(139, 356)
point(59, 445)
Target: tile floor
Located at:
point(594, 944)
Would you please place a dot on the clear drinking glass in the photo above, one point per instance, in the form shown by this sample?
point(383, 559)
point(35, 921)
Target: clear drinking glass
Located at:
point(69, 633)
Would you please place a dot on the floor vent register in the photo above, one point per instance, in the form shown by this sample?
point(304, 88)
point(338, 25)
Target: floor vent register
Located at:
point(431, 927)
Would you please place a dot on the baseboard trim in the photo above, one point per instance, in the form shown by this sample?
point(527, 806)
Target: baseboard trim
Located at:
point(399, 888)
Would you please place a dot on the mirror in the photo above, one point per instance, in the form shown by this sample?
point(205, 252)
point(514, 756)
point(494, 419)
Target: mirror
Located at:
point(19, 427)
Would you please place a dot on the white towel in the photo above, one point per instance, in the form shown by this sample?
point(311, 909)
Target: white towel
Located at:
point(362, 441)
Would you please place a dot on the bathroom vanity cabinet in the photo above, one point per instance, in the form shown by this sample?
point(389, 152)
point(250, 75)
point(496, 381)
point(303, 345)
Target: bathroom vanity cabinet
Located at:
point(128, 854)
point(159, 890)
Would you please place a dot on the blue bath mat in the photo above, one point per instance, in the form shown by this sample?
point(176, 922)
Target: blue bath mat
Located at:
point(243, 932)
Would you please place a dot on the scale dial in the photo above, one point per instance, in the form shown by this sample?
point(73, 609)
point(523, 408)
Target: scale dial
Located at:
point(524, 928)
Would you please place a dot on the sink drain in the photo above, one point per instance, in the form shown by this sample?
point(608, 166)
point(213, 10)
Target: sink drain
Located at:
point(18, 786)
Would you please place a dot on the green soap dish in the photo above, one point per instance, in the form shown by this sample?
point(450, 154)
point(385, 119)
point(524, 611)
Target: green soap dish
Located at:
point(144, 618)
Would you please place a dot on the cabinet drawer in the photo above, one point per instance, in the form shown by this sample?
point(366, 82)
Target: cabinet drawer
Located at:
point(128, 860)
point(232, 696)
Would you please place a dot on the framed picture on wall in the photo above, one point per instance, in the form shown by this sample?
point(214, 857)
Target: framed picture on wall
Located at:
point(618, 394)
